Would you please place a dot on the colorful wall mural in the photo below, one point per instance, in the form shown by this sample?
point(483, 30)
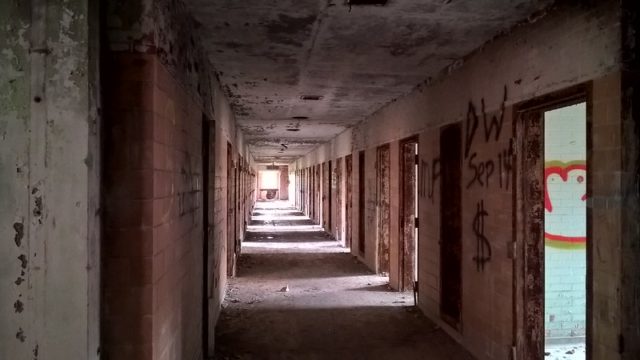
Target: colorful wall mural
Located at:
point(565, 223)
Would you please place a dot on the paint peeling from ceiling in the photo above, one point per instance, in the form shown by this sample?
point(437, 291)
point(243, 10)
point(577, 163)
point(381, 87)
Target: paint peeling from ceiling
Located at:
point(356, 59)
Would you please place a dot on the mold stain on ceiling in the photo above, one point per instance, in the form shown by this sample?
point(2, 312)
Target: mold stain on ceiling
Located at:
point(355, 59)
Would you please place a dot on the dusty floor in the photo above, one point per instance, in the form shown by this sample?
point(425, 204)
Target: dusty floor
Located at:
point(566, 352)
point(300, 295)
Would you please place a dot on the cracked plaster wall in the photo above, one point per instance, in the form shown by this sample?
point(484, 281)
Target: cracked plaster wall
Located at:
point(49, 180)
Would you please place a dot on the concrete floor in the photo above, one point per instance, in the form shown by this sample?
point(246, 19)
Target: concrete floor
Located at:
point(300, 295)
point(566, 352)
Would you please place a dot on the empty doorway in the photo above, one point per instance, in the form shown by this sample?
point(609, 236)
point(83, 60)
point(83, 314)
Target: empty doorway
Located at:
point(408, 213)
point(338, 231)
point(208, 248)
point(318, 194)
point(231, 229)
point(450, 224)
point(361, 203)
point(383, 194)
point(348, 165)
point(326, 196)
point(554, 192)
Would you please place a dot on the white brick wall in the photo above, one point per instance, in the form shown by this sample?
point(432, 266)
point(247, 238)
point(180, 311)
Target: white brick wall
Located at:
point(565, 262)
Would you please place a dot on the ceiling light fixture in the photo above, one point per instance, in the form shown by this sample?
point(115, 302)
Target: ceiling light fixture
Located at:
point(366, 2)
point(311, 97)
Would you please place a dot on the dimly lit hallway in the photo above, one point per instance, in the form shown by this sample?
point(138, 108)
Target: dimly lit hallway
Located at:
point(335, 308)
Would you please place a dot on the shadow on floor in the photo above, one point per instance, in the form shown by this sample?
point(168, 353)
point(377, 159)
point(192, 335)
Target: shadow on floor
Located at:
point(299, 265)
point(286, 237)
point(381, 288)
point(276, 222)
point(371, 332)
point(284, 213)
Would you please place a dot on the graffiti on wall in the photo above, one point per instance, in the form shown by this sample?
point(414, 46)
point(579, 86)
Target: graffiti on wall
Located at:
point(483, 247)
point(500, 165)
point(489, 169)
point(429, 175)
point(564, 194)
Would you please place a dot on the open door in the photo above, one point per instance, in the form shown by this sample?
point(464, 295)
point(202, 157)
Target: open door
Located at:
point(348, 165)
point(326, 196)
point(361, 203)
point(208, 249)
point(231, 229)
point(451, 224)
point(408, 213)
point(383, 207)
point(553, 189)
point(337, 228)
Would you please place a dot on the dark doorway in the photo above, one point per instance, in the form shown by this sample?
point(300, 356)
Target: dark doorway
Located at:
point(330, 196)
point(231, 228)
point(348, 164)
point(208, 249)
point(318, 195)
point(312, 193)
point(383, 194)
point(450, 224)
point(337, 230)
point(326, 196)
point(361, 203)
point(408, 213)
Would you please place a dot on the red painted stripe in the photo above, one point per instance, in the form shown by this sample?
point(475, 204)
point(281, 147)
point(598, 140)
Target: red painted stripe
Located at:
point(569, 239)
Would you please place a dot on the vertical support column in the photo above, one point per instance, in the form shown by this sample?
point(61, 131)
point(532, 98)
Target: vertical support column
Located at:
point(629, 341)
point(49, 180)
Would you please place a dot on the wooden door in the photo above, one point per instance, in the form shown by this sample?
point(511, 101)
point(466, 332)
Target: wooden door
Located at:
point(383, 206)
point(361, 203)
point(451, 224)
point(348, 162)
point(408, 214)
point(337, 230)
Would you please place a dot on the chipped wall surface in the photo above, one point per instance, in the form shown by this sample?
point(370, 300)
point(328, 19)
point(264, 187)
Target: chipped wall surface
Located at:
point(164, 28)
point(271, 53)
point(570, 45)
point(49, 176)
point(162, 88)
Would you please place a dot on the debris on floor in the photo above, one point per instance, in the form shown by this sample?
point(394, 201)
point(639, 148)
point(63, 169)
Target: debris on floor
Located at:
point(330, 299)
point(565, 352)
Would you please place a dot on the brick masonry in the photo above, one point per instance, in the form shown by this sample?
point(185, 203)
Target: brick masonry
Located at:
point(570, 45)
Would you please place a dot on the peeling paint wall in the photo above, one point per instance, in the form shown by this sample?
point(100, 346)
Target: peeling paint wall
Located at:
point(162, 85)
point(571, 44)
point(49, 179)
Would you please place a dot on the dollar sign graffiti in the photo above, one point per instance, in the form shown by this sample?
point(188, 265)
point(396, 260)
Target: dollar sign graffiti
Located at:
point(483, 247)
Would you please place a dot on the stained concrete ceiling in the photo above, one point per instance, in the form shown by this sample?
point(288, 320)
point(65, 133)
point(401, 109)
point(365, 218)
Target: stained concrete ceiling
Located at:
point(270, 53)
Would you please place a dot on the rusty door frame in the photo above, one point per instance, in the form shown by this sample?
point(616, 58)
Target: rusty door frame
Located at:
point(318, 194)
point(326, 196)
point(312, 190)
point(528, 296)
point(238, 209)
point(361, 202)
point(328, 184)
point(208, 206)
point(339, 188)
point(348, 166)
point(230, 223)
point(406, 243)
point(383, 204)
